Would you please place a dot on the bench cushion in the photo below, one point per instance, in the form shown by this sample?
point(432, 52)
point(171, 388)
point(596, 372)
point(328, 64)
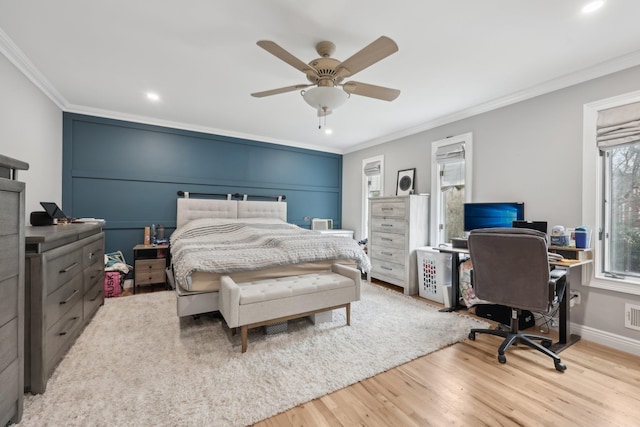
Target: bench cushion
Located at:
point(286, 287)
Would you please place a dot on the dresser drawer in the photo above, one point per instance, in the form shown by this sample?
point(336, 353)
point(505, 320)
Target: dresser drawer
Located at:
point(382, 270)
point(9, 224)
point(93, 298)
point(92, 276)
point(149, 271)
point(395, 255)
point(61, 268)
point(60, 302)
point(388, 225)
point(8, 299)
point(61, 335)
point(394, 208)
point(9, 340)
point(9, 256)
point(93, 253)
point(387, 240)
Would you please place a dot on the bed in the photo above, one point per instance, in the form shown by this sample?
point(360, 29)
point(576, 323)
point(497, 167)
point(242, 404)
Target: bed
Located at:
point(248, 241)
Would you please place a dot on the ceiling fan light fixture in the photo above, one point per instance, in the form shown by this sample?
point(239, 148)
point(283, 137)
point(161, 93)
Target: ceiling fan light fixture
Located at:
point(324, 98)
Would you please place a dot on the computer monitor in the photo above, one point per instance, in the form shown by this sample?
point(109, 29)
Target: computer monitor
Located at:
point(492, 215)
point(532, 225)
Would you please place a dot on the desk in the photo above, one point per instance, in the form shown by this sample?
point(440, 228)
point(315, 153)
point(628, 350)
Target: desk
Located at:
point(565, 337)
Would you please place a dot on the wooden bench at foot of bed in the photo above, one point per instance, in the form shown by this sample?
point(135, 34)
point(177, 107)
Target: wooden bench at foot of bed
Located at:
point(263, 302)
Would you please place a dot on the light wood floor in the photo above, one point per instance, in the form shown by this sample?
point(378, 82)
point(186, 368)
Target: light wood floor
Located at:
point(465, 385)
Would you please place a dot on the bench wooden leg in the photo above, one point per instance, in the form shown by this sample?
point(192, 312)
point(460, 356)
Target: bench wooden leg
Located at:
point(243, 333)
point(348, 307)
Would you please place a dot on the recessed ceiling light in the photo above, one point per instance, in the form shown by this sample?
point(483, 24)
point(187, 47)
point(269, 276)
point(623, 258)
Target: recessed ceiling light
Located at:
point(328, 131)
point(152, 96)
point(593, 6)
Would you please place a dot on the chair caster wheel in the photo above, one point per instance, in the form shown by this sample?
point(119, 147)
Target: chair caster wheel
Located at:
point(472, 336)
point(502, 358)
point(546, 343)
point(560, 366)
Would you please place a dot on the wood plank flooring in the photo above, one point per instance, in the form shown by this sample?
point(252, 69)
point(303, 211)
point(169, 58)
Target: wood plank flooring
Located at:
point(465, 385)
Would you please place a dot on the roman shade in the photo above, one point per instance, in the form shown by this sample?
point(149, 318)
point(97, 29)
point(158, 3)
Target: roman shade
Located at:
point(372, 168)
point(618, 126)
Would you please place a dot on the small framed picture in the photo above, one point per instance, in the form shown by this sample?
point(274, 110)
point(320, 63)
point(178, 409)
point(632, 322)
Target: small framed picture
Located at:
point(405, 182)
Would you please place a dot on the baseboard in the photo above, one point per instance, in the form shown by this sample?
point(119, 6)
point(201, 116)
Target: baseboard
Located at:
point(628, 345)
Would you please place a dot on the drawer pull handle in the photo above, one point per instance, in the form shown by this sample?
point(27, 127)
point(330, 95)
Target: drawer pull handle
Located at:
point(387, 253)
point(386, 239)
point(97, 295)
point(69, 298)
point(70, 322)
point(387, 268)
point(387, 225)
point(68, 269)
point(387, 209)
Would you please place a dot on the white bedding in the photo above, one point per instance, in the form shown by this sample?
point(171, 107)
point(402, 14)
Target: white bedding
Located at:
point(224, 246)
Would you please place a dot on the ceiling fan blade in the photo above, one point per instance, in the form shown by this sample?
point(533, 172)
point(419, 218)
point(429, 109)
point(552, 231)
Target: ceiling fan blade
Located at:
point(372, 91)
point(376, 51)
point(280, 90)
point(277, 51)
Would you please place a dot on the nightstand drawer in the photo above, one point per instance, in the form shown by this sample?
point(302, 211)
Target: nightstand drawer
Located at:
point(149, 271)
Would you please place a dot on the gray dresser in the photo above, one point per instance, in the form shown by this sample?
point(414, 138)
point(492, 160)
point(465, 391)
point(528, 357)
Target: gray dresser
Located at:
point(64, 289)
point(11, 290)
point(397, 226)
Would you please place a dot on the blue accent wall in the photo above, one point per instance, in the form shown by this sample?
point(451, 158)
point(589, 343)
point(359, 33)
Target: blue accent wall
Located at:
point(129, 174)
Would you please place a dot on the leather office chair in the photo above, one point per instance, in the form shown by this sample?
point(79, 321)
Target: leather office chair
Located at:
point(511, 268)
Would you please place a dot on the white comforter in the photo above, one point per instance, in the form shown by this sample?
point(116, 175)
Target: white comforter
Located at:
point(211, 245)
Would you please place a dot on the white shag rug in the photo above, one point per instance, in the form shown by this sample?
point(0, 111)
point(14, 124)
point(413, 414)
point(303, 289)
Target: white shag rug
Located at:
point(138, 364)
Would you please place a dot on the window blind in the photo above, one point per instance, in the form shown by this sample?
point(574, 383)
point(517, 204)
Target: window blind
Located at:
point(618, 126)
point(450, 159)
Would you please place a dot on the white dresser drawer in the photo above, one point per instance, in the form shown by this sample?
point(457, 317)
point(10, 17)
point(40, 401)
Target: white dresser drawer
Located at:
point(388, 225)
point(388, 240)
point(397, 209)
point(392, 270)
point(395, 255)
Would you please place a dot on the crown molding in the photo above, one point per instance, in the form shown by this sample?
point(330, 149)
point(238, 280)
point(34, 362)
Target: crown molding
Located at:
point(604, 68)
point(9, 49)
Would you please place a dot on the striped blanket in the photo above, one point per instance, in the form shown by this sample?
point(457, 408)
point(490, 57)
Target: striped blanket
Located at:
point(210, 245)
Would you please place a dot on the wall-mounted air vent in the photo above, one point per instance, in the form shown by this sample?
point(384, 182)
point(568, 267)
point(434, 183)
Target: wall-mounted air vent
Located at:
point(632, 316)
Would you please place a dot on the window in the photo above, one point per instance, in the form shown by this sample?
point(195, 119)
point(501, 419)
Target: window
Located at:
point(450, 186)
point(372, 186)
point(611, 191)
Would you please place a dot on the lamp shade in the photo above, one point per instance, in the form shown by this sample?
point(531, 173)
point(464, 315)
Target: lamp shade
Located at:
point(325, 98)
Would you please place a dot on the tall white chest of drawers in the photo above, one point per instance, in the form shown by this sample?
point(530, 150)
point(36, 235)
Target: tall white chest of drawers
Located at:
point(397, 226)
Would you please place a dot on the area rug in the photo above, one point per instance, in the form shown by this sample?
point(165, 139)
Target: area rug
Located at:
point(137, 363)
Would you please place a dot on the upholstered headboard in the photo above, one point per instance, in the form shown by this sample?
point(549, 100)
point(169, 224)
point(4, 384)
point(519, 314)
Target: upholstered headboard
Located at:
point(190, 209)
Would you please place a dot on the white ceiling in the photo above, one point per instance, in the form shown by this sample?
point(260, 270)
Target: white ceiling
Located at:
point(455, 58)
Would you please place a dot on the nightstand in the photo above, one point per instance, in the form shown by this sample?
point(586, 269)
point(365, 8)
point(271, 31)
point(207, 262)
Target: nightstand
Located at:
point(149, 263)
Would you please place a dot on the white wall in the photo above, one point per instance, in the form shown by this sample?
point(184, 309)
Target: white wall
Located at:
point(530, 151)
point(31, 131)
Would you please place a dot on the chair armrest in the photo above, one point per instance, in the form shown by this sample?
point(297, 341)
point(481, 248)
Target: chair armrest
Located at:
point(557, 284)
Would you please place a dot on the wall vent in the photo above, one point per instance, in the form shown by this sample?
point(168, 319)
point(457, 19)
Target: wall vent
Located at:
point(632, 316)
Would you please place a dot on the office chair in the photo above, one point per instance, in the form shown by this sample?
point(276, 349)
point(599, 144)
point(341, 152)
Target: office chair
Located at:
point(511, 268)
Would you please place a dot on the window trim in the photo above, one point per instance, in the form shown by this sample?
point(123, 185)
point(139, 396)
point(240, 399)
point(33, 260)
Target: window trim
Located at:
point(592, 178)
point(436, 209)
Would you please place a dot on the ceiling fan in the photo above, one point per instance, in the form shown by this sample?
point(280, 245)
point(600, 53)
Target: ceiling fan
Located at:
point(327, 74)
